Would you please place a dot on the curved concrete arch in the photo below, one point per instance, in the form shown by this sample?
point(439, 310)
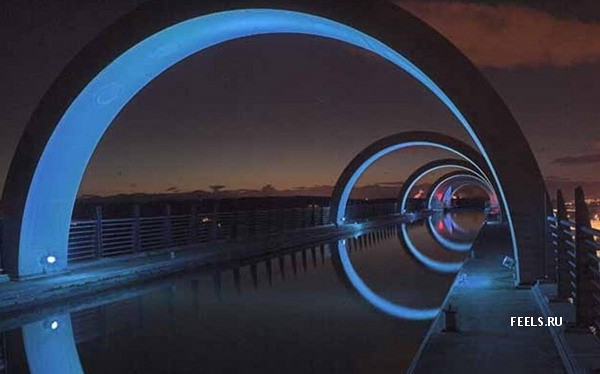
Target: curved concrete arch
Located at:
point(349, 276)
point(448, 163)
point(70, 120)
point(484, 186)
point(389, 144)
point(442, 190)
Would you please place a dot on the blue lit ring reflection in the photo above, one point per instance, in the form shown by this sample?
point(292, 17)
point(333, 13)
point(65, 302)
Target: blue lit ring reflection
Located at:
point(438, 266)
point(395, 310)
point(448, 244)
point(50, 346)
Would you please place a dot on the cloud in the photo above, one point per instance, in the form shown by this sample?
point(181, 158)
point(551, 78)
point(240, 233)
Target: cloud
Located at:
point(592, 158)
point(506, 36)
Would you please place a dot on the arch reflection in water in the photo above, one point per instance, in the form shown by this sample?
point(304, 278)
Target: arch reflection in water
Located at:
point(350, 276)
point(187, 310)
point(49, 346)
point(450, 233)
point(430, 263)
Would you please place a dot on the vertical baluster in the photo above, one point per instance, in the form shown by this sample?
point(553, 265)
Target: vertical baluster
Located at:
point(585, 289)
point(550, 265)
point(562, 264)
point(167, 227)
point(98, 224)
point(193, 224)
point(137, 240)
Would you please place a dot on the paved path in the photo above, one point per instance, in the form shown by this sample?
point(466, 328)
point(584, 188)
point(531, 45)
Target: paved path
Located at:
point(485, 296)
point(579, 348)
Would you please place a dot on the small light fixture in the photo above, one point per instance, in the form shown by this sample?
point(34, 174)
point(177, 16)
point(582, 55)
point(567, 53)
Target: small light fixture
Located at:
point(508, 262)
point(50, 259)
point(51, 324)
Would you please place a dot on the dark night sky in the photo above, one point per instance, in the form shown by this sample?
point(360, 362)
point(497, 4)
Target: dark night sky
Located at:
point(291, 111)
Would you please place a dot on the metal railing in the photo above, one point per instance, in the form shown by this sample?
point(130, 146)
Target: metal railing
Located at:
point(100, 237)
point(577, 247)
point(128, 313)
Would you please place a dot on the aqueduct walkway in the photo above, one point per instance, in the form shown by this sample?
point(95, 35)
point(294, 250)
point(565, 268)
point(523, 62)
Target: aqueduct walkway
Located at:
point(485, 297)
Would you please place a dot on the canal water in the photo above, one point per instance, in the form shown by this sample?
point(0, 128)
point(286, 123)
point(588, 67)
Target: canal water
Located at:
point(359, 305)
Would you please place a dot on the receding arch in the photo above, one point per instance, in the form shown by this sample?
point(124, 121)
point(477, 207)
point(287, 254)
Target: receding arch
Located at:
point(65, 128)
point(441, 190)
point(384, 146)
point(448, 163)
point(376, 150)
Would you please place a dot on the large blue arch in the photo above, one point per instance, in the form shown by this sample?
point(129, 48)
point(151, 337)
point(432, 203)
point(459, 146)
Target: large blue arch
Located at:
point(65, 128)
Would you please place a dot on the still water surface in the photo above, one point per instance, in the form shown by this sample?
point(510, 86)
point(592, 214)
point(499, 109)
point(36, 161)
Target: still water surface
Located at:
point(301, 312)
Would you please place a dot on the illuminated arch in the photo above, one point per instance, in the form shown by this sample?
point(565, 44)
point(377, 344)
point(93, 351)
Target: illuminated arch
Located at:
point(449, 163)
point(361, 162)
point(70, 120)
point(443, 189)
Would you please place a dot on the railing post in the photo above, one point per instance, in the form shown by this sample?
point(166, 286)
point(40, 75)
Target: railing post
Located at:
point(252, 224)
point(270, 220)
point(167, 237)
point(550, 265)
point(562, 265)
point(234, 224)
point(137, 240)
point(193, 235)
point(214, 227)
point(584, 314)
point(98, 224)
point(281, 212)
point(1, 247)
